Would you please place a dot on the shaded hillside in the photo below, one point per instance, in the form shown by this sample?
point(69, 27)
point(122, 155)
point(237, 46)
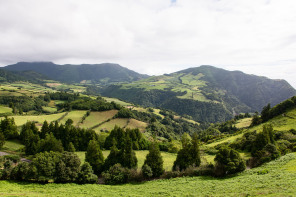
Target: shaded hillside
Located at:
point(13, 76)
point(206, 93)
point(96, 73)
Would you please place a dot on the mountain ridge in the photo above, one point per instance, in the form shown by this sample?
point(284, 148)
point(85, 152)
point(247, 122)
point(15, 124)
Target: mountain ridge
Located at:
point(205, 88)
point(74, 73)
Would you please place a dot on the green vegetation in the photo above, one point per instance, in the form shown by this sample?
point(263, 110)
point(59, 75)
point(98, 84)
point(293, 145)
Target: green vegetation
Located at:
point(246, 183)
point(206, 93)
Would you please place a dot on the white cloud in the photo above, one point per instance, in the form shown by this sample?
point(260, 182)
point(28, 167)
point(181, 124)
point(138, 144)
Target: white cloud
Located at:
point(155, 36)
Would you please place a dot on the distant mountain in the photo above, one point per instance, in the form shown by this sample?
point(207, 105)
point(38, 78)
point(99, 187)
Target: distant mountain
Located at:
point(13, 76)
point(96, 73)
point(206, 93)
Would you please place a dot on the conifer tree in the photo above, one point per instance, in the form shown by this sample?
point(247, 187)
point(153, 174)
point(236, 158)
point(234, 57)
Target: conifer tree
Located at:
point(154, 160)
point(128, 155)
point(94, 156)
point(113, 157)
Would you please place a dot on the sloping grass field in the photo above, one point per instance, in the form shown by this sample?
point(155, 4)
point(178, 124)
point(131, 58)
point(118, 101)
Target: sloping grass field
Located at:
point(20, 120)
point(279, 180)
point(97, 117)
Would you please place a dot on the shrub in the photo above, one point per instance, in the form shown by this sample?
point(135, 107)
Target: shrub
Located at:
point(147, 171)
point(86, 174)
point(228, 161)
point(115, 175)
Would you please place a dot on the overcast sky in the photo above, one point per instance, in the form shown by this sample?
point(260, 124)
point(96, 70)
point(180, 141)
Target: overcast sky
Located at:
point(154, 36)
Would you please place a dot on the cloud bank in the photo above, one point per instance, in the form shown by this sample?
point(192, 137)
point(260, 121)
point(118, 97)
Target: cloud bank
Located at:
point(155, 36)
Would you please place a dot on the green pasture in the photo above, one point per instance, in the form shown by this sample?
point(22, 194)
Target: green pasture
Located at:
point(4, 109)
point(97, 117)
point(76, 116)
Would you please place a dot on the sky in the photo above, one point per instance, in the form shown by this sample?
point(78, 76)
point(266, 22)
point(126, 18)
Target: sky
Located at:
point(154, 36)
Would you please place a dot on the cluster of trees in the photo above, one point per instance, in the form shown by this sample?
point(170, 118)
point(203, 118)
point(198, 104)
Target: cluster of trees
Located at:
point(268, 113)
point(266, 145)
point(118, 135)
point(22, 104)
point(86, 103)
point(55, 137)
point(49, 166)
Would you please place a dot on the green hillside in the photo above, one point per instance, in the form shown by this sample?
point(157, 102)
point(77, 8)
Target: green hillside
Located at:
point(206, 93)
point(84, 73)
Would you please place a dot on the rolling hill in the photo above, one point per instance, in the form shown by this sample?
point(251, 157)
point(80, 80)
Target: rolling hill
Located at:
point(94, 73)
point(206, 93)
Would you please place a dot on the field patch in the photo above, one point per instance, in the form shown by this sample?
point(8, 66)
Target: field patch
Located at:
point(4, 109)
point(121, 122)
point(133, 124)
point(97, 117)
point(243, 123)
point(76, 116)
point(20, 120)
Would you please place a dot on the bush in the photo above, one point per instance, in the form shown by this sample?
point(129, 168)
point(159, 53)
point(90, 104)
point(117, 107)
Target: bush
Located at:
point(147, 171)
point(13, 158)
point(115, 175)
point(86, 174)
point(228, 161)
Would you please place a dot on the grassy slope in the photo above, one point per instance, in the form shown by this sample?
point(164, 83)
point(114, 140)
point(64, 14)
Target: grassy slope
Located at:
point(20, 120)
point(279, 123)
point(4, 109)
point(97, 117)
point(279, 181)
point(75, 116)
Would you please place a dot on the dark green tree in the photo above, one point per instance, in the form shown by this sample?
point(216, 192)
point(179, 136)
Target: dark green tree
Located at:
point(94, 156)
point(67, 168)
point(86, 174)
point(71, 147)
point(50, 143)
point(113, 157)
point(228, 161)
point(128, 155)
point(44, 129)
point(154, 160)
point(188, 156)
point(2, 139)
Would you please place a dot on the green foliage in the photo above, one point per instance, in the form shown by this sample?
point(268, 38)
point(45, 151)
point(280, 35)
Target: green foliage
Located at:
point(115, 175)
point(86, 174)
point(188, 156)
point(45, 164)
point(67, 168)
point(128, 155)
point(154, 161)
point(50, 143)
point(118, 134)
point(94, 157)
point(8, 128)
point(147, 171)
point(2, 140)
point(113, 157)
point(228, 161)
point(125, 113)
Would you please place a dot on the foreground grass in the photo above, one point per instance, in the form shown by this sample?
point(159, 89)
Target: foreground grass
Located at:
point(279, 181)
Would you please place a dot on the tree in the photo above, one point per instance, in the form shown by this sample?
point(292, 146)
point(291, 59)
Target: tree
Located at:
point(45, 164)
point(265, 113)
point(228, 161)
point(8, 128)
point(71, 147)
point(128, 155)
point(86, 174)
point(94, 156)
point(44, 129)
point(50, 143)
point(67, 168)
point(113, 157)
point(2, 139)
point(154, 160)
point(188, 156)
